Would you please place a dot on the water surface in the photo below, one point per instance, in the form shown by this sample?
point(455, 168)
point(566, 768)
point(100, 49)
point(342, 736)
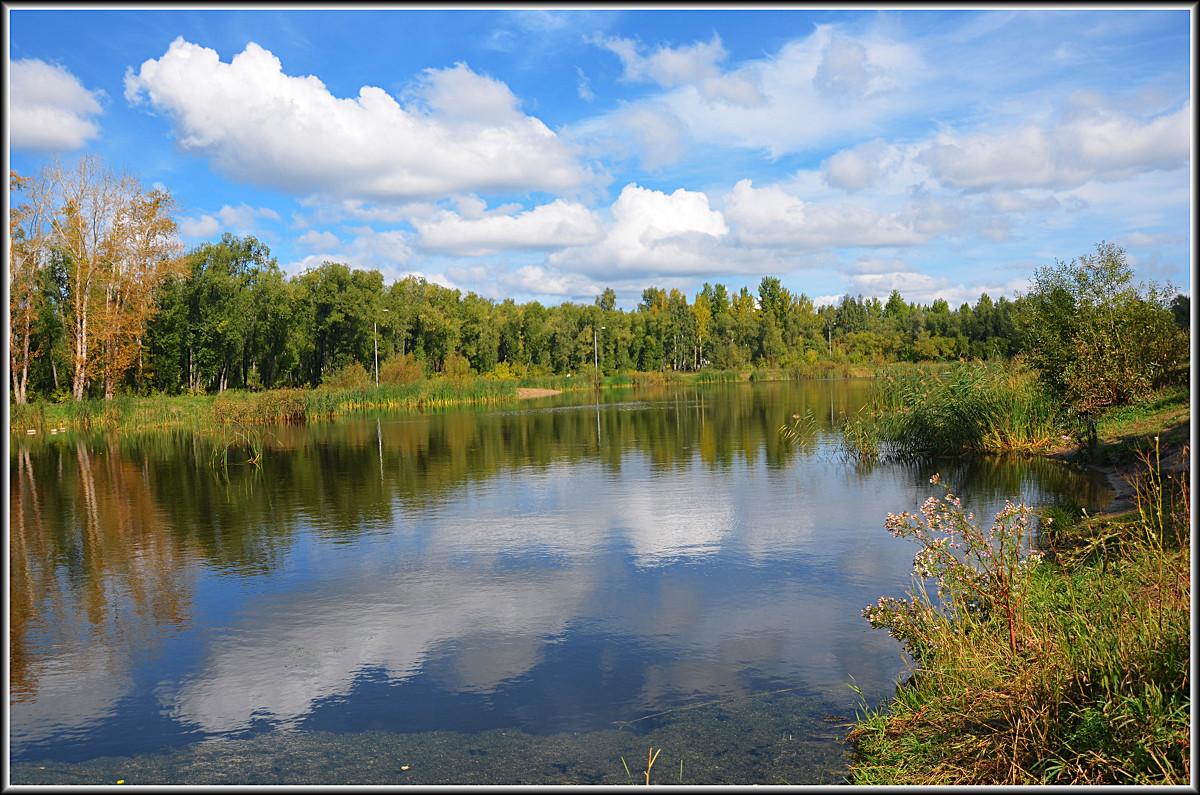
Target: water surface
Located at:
point(531, 594)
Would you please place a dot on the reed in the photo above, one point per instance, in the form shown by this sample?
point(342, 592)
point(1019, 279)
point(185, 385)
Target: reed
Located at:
point(977, 408)
point(421, 394)
point(717, 377)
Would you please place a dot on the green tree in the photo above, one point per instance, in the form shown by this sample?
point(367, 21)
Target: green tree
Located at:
point(607, 300)
point(1096, 339)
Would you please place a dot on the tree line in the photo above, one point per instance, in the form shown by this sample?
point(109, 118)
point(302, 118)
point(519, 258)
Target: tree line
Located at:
point(104, 299)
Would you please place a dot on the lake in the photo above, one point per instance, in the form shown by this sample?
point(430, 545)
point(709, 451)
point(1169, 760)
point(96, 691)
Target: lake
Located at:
point(543, 592)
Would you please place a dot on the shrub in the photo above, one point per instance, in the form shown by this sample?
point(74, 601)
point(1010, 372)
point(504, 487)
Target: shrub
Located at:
point(404, 369)
point(1095, 339)
point(352, 376)
point(456, 368)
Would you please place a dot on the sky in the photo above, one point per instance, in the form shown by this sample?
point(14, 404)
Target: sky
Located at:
point(548, 153)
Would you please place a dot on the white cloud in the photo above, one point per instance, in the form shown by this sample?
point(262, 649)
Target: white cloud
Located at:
point(654, 231)
point(1020, 201)
point(331, 212)
point(205, 226)
point(241, 220)
point(536, 280)
point(366, 249)
point(773, 217)
point(473, 233)
point(694, 65)
point(48, 108)
point(789, 112)
point(582, 87)
point(1144, 240)
point(873, 277)
point(659, 134)
point(461, 131)
point(318, 241)
point(1093, 140)
point(380, 249)
point(861, 167)
point(244, 218)
point(845, 70)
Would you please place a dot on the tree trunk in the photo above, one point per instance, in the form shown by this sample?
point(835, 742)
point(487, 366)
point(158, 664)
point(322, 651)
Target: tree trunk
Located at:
point(81, 346)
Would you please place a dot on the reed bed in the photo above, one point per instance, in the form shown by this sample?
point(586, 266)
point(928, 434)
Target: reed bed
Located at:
point(717, 377)
point(154, 412)
point(976, 408)
point(426, 393)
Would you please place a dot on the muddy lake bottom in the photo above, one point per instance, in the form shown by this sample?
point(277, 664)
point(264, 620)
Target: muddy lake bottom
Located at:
point(772, 738)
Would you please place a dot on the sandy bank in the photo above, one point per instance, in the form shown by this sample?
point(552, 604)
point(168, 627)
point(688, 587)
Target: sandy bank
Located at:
point(523, 393)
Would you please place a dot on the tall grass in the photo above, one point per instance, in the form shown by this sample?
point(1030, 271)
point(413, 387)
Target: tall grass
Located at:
point(425, 393)
point(1085, 683)
point(977, 408)
point(717, 377)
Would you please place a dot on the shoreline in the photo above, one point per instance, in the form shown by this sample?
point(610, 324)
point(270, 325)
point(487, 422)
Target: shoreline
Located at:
point(1120, 476)
point(525, 393)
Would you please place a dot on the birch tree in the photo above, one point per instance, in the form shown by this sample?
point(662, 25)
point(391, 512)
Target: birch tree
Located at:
point(144, 251)
point(116, 241)
point(28, 250)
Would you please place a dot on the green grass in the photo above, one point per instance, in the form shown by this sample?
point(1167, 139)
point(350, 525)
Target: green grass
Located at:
point(1130, 430)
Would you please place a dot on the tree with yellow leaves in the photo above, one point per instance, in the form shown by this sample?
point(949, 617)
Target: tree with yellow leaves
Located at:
point(115, 240)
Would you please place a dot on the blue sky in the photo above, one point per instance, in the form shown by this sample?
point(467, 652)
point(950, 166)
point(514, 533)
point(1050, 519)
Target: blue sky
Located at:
point(548, 154)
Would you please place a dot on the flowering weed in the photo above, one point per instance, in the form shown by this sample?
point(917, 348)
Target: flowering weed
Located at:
point(977, 570)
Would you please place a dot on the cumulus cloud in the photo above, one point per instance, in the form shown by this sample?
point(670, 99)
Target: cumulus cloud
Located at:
point(773, 217)
point(49, 109)
point(241, 220)
point(461, 131)
point(538, 280)
point(654, 231)
point(205, 226)
point(1093, 140)
point(380, 249)
point(860, 167)
point(318, 241)
point(694, 65)
point(548, 226)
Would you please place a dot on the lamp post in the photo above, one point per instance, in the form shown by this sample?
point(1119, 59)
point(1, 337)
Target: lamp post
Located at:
point(375, 337)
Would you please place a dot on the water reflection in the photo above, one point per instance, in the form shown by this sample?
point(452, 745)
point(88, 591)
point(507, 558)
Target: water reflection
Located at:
point(552, 568)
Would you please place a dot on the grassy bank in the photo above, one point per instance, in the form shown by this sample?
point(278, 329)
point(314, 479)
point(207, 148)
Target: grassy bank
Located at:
point(1067, 665)
point(160, 412)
